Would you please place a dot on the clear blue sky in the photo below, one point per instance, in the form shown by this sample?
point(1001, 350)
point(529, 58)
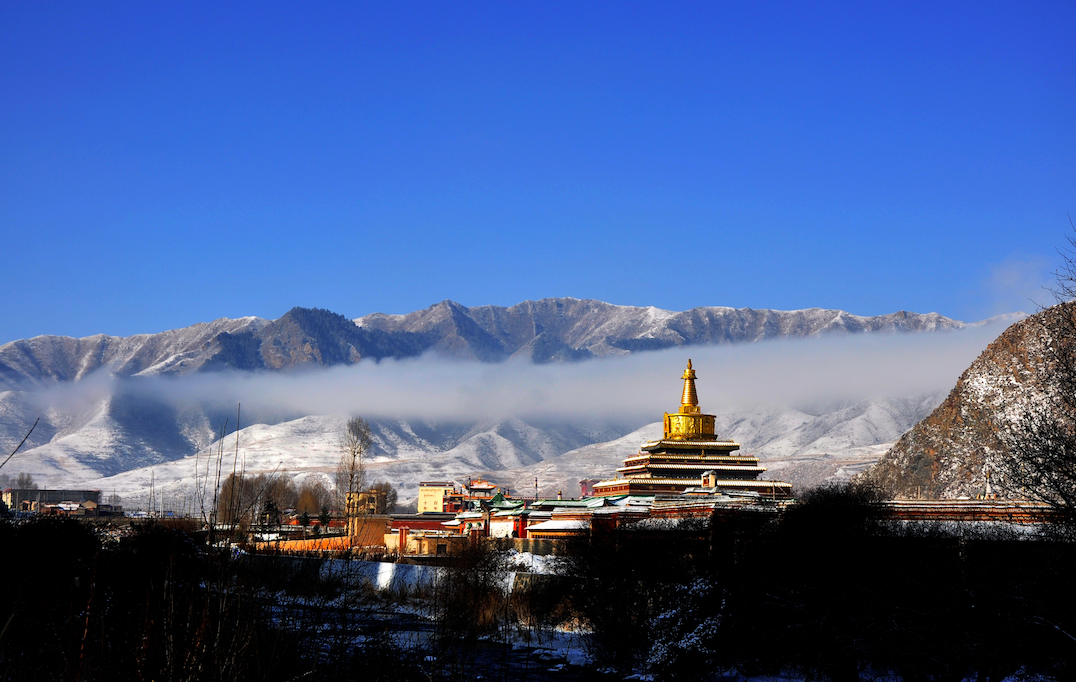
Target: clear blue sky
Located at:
point(169, 163)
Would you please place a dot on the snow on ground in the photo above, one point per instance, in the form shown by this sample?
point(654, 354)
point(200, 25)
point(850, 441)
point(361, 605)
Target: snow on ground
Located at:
point(532, 563)
point(310, 446)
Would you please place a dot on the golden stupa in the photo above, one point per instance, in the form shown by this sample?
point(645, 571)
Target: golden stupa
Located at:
point(690, 455)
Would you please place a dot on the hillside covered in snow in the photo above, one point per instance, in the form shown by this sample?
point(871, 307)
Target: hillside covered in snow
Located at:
point(799, 446)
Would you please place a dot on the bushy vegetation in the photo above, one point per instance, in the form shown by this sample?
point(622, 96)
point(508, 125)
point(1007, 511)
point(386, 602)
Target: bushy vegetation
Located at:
point(834, 591)
point(156, 605)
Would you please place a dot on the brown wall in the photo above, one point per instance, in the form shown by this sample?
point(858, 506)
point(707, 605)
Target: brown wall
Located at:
point(369, 530)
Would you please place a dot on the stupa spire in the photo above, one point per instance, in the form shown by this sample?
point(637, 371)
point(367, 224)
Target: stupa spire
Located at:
point(689, 423)
point(689, 403)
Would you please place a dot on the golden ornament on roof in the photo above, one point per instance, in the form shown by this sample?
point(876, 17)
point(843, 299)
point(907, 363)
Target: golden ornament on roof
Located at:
point(689, 423)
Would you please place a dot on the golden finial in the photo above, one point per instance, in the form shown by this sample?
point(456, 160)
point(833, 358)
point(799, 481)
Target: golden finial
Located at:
point(689, 403)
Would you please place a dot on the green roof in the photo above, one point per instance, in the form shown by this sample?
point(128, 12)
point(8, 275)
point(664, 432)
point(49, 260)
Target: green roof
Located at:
point(560, 503)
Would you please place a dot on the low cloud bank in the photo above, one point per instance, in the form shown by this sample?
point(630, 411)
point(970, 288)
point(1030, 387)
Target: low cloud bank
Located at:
point(792, 372)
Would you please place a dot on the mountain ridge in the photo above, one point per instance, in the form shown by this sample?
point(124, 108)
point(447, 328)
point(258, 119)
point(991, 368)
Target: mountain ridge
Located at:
point(589, 328)
point(547, 330)
point(114, 424)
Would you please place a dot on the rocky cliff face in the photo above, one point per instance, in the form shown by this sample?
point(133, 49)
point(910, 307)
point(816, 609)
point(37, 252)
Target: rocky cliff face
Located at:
point(949, 453)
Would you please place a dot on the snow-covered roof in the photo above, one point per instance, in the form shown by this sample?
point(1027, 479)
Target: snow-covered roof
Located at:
point(559, 525)
point(516, 511)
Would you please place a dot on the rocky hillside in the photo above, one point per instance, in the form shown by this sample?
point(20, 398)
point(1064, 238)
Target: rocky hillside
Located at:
point(46, 359)
point(949, 453)
point(301, 336)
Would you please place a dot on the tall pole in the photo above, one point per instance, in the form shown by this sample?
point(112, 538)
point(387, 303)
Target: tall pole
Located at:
point(216, 485)
point(233, 508)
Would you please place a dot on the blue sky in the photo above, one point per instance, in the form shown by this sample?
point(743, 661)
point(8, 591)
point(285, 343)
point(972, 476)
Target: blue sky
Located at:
point(169, 163)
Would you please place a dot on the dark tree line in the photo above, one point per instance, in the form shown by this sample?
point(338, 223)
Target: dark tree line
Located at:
point(153, 606)
point(262, 498)
point(22, 481)
point(830, 590)
point(158, 605)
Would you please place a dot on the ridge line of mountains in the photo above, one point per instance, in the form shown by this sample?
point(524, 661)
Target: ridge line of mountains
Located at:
point(548, 330)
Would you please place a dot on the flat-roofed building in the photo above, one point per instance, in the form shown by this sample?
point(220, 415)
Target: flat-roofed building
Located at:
point(432, 495)
point(24, 499)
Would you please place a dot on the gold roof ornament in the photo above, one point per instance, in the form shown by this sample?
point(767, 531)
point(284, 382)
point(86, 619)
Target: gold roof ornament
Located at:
point(689, 423)
point(689, 403)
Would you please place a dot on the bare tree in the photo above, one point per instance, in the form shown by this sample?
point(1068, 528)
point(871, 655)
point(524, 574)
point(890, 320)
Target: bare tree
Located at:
point(391, 496)
point(281, 489)
point(1042, 442)
point(313, 495)
point(24, 481)
point(355, 442)
point(236, 494)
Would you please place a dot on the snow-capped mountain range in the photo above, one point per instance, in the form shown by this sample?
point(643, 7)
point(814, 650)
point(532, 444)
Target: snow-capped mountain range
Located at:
point(116, 437)
point(551, 329)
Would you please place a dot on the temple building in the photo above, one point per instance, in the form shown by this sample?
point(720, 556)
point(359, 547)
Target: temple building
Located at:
point(691, 456)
